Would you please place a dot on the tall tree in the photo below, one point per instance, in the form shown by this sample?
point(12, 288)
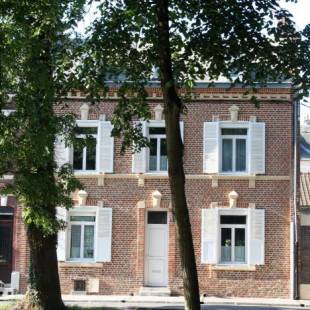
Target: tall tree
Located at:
point(250, 42)
point(36, 49)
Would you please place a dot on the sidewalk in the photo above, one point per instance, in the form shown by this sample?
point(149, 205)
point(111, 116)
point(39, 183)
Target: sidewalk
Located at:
point(148, 301)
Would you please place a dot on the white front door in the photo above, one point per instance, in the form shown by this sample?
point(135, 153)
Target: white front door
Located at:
point(156, 249)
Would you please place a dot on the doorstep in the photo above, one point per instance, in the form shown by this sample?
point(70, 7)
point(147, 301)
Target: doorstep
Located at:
point(154, 291)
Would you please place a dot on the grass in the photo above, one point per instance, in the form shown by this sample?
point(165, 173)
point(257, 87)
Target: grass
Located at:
point(7, 306)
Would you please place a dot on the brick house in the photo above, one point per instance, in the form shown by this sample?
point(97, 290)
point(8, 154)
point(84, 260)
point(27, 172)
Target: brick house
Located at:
point(121, 235)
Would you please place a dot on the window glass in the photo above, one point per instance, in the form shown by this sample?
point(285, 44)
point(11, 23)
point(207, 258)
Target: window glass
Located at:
point(157, 217)
point(75, 241)
point(163, 155)
point(86, 130)
point(157, 130)
point(233, 219)
point(78, 218)
point(91, 155)
point(226, 243)
point(239, 244)
point(78, 158)
point(89, 241)
point(153, 155)
point(234, 131)
point(240, 155)
point(227, 153)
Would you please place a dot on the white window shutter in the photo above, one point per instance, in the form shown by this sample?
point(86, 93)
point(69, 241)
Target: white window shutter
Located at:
point(257, 147)
point(62, 214)
point(256, 237)
point(182, 130)
point(105, 147)
point(209, 236)
point(62, 152)
point(211, 135)
point(103, 234)
point(139, 158)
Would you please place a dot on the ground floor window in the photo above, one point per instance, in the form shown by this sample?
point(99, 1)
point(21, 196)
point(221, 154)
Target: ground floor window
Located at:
point(233, 239)
point(82, 237)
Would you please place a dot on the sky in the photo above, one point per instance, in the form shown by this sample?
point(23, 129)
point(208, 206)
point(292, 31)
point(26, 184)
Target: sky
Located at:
point(301, 16)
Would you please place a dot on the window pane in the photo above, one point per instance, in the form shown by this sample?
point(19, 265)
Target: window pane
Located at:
point(78, 157)
point(75, 241)
point(78, 218)
point(233, 219)
point(240, 245)
point(91, 155)
point(153, 155)
point(157, 217)
point(226, 245)
point(163, 155)
point(157, 131)
point(234, 131)
point(86, 130)
point(89, 241)
point(227, 155)
point(240, 155)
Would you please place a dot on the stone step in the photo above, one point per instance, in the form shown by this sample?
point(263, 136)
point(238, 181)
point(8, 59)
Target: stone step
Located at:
point(154, 291)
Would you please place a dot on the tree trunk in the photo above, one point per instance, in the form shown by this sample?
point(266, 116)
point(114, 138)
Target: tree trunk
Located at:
point(173, 107)
point(44, 288)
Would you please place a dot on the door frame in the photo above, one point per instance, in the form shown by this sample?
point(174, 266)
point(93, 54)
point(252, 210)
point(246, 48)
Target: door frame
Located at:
point(146, 280)
point(8, 222)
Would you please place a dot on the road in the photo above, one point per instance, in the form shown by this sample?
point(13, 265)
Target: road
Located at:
point(225, 307)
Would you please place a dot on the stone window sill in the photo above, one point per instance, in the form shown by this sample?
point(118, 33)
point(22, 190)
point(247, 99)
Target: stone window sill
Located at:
point(234, 267)
point(80, 264)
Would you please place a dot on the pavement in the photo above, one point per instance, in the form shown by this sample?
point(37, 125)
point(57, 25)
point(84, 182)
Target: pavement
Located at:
point(171, 302)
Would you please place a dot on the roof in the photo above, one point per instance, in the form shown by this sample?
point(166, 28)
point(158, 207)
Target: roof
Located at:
point(305, 189)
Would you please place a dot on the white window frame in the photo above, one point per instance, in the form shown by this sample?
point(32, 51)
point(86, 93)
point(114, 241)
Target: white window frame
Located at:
point(87, 124)
point(233, 212)
point(233, 229)
point(231, 125)
point(155, 124)
point(81, 211)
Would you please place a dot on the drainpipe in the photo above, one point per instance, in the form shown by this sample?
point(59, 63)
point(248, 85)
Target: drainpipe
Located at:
point(295, 180)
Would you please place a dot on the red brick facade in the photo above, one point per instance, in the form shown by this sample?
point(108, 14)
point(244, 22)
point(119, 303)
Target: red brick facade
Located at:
point(271, 192)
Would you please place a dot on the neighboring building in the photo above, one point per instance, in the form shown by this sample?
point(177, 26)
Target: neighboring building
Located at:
point(305, 147)
point(121, 234)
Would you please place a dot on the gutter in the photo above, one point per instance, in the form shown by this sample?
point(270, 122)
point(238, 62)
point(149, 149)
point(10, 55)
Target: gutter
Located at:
point(295, 220)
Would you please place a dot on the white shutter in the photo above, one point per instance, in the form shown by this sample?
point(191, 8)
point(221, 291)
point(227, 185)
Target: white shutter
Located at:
point(256, 237)
point(182, 130)
point(139, 158)
point(209, 236)
point(62, 152)
point(62, 214)
point(211, 135)
point(103, 234)
point(105, 147)
point(257, 147)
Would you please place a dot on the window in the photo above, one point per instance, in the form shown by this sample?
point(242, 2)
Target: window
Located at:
point(157, 217)
point(234, 149)
point(233, 241)
point(79, 285)
point(82, 236)
point(158, 160)
point(84, 158)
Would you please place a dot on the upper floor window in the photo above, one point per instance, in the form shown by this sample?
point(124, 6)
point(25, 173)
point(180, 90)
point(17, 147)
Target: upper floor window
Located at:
point(84, 158)
point(234, 149)
point(158, 160)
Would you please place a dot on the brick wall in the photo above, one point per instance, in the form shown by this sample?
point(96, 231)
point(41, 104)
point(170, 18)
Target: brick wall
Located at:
point(124, 274)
